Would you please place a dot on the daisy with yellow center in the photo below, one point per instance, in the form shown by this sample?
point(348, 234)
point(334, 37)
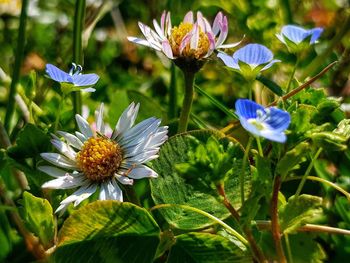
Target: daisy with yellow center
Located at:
point(94, 161)
point(191, 39)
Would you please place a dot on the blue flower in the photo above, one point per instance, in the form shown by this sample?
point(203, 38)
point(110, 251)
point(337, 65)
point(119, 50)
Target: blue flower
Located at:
point(295, 36)
point(269, 123)
point(73, 77)
point(249, 60)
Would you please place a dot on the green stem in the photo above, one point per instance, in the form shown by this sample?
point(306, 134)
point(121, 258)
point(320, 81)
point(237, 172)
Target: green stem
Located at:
point(292, 74)
point(289, 251)
point(172, 94)
point(79, 18)
point(261, 153)
point(58, 113)
point(288, 17)
point(187, 102)
point(17, 67)
point(244, 163)
point(215, 219)
point(275, 227)
point(307, 172)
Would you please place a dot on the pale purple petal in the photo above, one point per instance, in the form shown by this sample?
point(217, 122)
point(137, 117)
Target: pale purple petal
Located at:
point(167, 49)
point(228, 60)
point(217, 22)
point(188, 18)
point(82, 80)
point(57, 74)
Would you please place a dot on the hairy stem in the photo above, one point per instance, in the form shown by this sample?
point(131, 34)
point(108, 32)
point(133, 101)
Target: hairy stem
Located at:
point(17, 67)
point(187, 102)
point(79, 18)
point(275, 227)
point(244, 163)
point(307, 172)
point(292, 74)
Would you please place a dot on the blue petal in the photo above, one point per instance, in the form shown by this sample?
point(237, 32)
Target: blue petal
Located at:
point(274, 136)
point(315, 34)
point(254, 54)
point(279, 120)
point(85, 79)
point(295, 34)
point(58, 75)
point(247, 109)
point(228, 60)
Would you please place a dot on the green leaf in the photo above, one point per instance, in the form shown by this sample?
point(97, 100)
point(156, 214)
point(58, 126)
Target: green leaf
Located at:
point(330, 141)
point(299, 211)
point(343, 129)
point(172, 188)
point(292, 158)
point(271, 85)
point(205, 248)
point(31, 141)
point(38, 215)
point(108, 231)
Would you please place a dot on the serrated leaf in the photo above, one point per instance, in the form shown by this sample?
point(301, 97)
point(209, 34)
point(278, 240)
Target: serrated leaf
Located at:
point(171, 188)
point(38, 215)
point(205, 248)
point(298, 211)
point(31, 141)
point(292, 158)
point(108, 231)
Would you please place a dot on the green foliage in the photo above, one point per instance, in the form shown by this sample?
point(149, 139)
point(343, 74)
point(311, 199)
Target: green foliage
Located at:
point(192, 187)
point(108, 231)
point(292, 158)
point(38, 215)
point(298, 211)
point(205, 248)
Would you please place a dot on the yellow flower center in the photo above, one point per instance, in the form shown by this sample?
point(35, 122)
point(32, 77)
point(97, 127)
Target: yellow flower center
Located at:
point(176, 37)
point(99, 158)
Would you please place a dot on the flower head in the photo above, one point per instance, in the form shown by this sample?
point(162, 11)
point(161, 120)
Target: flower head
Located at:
point(269, 123)
point(90, 161)
point(191, 39)
point(297, 38)
point(73, 78)
point(249, 60)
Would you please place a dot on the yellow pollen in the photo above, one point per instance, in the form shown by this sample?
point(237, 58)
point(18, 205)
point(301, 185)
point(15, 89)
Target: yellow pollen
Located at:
point(176, 37)
point(99, 158)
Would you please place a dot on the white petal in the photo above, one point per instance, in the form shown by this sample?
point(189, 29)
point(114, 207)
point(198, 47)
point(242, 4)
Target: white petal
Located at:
point(64, 149)
point(142, 171)
point(52, 171)
point(59, 160)
point(143, 42)
point(195, 37)
point(61, 209)
point(80, 136)
point(71, 139)
point(126, 120)
point(100, 126)
point(166, 48)
point(124, 180)
point(111, 191)
point(80, 195)
point(65, 182)
point(158, 29)
point(84, 126)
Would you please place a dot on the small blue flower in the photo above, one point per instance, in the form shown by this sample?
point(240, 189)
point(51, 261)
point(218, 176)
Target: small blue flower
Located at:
point(269, 123)
point(250, 59)
point(295, 35)
point(73, 77)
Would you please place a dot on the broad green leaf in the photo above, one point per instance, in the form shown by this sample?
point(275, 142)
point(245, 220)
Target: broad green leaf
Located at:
point(270, 84)
point(172, 188)
point(38, 215)
point(108, 231)
point(31, 141)
point(205, 248)
point(298, 211)
point(292, 158)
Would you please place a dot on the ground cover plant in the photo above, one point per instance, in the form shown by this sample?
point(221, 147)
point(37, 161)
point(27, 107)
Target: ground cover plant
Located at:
point(174, 131)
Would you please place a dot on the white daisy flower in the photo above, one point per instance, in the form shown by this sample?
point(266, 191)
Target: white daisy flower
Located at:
point(92, 161)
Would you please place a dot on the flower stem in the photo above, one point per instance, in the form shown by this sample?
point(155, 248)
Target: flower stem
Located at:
point(275, 227)
point(244, 163)
point(172, 94)
point(249, 235)
point(261, 153)
point(79, 18)
point(187, 102)
point(215, 219)
point(307, 172)
point(292, 74)
point(289, 251)
point(17, 67)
